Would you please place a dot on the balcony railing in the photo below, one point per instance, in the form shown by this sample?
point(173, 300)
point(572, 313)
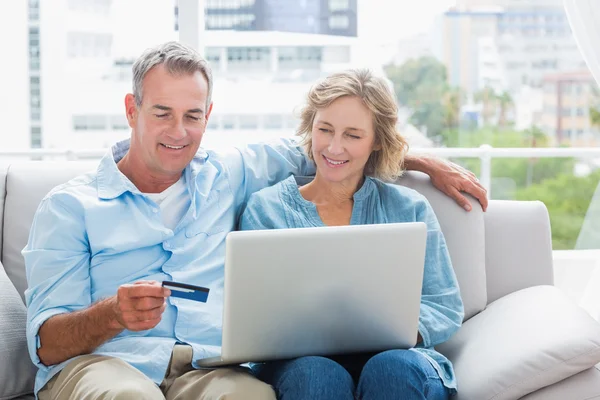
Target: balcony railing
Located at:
point(484, 153)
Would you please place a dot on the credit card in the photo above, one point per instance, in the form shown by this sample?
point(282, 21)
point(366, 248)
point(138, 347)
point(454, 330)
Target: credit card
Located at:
point(187, 291)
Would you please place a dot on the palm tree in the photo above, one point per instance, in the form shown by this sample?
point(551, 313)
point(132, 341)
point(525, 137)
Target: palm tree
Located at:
point(505, 102)
point(487, 98)
point(534, 137)
point(452, 101)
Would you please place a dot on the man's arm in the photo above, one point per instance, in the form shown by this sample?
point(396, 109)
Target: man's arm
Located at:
point(62, 322)
point(65, 336)
point(136, 307)
point(449, 178)
point(260, 165)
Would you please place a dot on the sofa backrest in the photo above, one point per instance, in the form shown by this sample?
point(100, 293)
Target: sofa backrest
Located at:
point(29, 182)
point(26, 186)
point(465, 236)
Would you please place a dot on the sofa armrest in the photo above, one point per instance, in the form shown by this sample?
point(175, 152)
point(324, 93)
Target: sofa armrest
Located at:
point(521, 343)
point(17, 372)
point(518, 247)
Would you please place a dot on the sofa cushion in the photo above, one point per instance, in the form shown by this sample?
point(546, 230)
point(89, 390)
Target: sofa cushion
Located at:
point(582, 386)
point(17, 372)
point(518, 251)
point(522, 342)
point(465, 236)
point(26, 185)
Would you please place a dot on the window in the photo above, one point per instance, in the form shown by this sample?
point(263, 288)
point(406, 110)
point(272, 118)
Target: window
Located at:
point(273, 121)
point(248, 121)
point(213, 122)
point(213, 54)
point(339, 22)
point(228, 4)
point(228, 122)
point(93, 122)
point(36, 137)
point(339, 5)
point(229, 21)
point(118, 122)
point(88, 45)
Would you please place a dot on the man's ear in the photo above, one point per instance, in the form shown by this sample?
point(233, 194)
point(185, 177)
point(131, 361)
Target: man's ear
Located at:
point(210, 106)
point(131, 110)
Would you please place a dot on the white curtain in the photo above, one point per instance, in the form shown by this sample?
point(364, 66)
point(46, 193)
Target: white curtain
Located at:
point(583, 282)
point(584, 18)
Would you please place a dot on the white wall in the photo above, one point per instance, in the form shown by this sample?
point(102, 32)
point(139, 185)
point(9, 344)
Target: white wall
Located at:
point(14, 76)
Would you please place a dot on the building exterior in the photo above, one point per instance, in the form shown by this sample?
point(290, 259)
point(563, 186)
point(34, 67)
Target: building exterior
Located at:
point(326, 17)
point(566, 116)
point(261, 80)
point(507, 42)
point(15, 76)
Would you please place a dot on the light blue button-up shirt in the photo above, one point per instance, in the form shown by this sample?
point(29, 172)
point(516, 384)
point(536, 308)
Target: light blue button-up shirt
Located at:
point(282, 206)
point(98, 231)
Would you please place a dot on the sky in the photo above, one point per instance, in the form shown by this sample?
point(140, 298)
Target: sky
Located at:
point(390, 20)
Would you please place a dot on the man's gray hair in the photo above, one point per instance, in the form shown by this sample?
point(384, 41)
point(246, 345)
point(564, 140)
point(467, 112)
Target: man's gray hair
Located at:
point(177, 58)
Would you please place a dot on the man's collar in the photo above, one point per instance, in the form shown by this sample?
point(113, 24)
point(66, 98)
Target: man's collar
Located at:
point(112, 182)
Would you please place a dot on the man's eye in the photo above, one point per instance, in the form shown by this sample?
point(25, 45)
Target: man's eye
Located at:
point(161, 115)
point(194, 118)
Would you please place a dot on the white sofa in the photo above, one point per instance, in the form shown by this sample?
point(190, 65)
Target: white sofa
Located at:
point(522, 338)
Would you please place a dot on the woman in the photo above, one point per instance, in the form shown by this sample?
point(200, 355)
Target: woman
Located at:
point(349, 129)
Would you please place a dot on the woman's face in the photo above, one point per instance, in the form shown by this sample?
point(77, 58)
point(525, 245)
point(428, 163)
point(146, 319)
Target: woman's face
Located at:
point(342, 139)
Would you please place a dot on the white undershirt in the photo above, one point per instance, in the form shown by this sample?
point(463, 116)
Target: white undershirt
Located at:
point(174, 202)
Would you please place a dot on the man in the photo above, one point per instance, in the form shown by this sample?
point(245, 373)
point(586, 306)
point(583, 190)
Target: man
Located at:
point(157, 208)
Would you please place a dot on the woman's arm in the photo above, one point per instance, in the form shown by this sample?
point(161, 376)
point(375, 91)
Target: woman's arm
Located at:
point(442, 309)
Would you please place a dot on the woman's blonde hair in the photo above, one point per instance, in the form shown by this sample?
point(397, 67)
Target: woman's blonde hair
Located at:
point(385, 163)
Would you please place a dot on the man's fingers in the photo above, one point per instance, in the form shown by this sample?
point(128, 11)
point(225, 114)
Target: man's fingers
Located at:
point(148, 315)
point(148, 303)
point(142, 289)
point(142, 282)
point(142, 304)
point(480, 193)
point(460, 199)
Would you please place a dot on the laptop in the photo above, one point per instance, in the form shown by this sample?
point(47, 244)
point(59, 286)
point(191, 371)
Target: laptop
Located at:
point(320, 291)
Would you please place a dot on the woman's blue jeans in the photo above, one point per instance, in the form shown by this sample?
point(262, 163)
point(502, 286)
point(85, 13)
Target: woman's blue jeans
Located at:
point(394, 374)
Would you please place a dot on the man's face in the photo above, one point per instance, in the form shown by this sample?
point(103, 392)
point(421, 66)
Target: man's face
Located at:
point(168, 126)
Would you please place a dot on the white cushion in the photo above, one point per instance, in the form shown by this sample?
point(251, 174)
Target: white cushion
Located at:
point(522, 342)
point(17, 372)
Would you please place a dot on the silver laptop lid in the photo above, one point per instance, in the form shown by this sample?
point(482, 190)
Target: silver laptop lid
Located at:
point(319, 291)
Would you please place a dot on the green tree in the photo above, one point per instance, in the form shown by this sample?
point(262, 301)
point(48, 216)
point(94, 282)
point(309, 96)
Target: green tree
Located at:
point(509, 174)
point(420, 84)
point(567, 198)
point(594, 117)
